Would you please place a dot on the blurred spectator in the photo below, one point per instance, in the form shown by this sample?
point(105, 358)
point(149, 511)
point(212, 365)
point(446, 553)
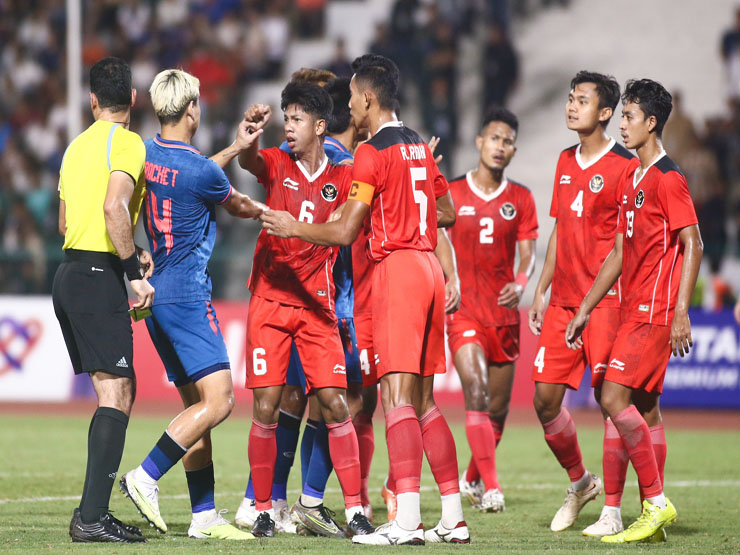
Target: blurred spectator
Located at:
point(500, 67)
point(679, 136)
point(340, 65)
point(310, 17)
point(381, 43)
point(440, 120)
point(277, 34)
point(730, 50)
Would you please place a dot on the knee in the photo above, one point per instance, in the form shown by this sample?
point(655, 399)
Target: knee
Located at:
point(547, 410)
point(498, 411)
point(265, 409)
point(222, 408)
point(293, 401)
point(475, 397)
point(610, 403)
point(335, 409)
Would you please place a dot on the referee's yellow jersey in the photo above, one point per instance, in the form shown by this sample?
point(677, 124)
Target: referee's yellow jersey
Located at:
point(102, 148)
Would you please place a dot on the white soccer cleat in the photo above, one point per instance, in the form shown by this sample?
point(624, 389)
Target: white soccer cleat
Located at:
point(607, 525)
point(473, 491)
point(216, 527)
point(145, 497)
point(493, 501)
point(283, 521)
point(574, 502)
point(440, 534)
point(391, 533)
point(246, 514)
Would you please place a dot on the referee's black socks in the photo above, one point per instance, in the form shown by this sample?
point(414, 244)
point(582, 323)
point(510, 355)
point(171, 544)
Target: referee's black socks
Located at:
point(104, 450)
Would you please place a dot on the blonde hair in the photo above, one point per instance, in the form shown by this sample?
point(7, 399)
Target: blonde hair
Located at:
point(171, 91)
point(318, 77)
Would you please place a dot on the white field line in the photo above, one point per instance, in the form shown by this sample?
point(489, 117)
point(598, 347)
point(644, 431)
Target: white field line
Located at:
point(669, 485)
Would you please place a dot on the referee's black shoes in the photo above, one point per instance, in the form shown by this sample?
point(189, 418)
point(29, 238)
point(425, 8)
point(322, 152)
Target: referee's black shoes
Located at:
point(107, 529)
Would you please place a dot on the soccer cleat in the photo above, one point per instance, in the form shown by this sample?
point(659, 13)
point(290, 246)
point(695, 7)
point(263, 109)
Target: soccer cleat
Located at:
point(106, 529)
point(473, 491)
point(264, 526)
point(391, 533)
point(359, 526)
point(246, 514)
point(648, 524)
point(574, 502)
point(440, 534)
point(145, 499)
point(607, 525)
point(131, 529)
point(317, 519)
point(493, 501)
point(283, 521)
point(218, 529)
point(368, 510)
point(659, 536)
point(389, 498)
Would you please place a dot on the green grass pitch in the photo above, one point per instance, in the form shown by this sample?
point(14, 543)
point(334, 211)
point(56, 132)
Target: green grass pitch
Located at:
point(43, 460)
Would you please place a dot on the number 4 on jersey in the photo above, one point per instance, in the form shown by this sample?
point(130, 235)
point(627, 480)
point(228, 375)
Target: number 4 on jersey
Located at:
point(539, 360)
point(577, 205)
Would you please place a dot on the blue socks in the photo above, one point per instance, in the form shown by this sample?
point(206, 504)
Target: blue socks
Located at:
point(320, 466)
point(166, 454)
point(201, 485)
point(307, 447)
point(286, 437)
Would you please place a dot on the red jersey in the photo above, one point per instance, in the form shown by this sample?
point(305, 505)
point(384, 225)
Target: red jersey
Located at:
point(485, 236)
point(655, 208)
point(362, 274)
point(395, 173)
point(585, 201)
point(292, 271)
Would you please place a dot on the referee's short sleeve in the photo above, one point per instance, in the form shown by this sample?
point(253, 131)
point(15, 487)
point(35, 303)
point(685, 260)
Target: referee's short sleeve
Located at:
point(126, 153)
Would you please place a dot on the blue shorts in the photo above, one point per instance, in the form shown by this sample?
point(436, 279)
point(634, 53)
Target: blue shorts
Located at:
point(188, 340)
point(296, 377)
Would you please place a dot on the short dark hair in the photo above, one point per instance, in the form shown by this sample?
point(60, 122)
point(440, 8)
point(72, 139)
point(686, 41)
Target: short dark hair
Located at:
point(381, 75)
point(653, 99)
point(312, 99)
point(499, 113)
point(110, 82)
point(607, 88)
point(340, 118)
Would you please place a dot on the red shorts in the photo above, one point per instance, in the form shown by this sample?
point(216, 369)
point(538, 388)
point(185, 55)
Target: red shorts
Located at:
point(500, 344)
point(640, 356)
point(272, 327)
point(556, 363)
point(409, 314)
point(364, 332)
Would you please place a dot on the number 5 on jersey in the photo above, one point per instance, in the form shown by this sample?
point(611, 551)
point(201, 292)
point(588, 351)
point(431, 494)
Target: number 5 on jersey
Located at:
point(420, 198)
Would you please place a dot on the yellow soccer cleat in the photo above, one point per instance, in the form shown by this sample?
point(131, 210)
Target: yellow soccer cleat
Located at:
point(217, 528)
point(659, 536)
point(650, 522)
point(145, 497)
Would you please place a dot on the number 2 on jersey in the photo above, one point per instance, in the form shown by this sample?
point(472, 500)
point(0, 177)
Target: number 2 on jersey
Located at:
point(486, 234)
point(577, 205)
point(420, 198)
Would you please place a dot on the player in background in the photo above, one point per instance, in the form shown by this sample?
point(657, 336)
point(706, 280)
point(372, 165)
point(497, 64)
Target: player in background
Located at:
point(585, 203)
point(395, 176)
point(183, 189)
point(657, 252)
point(293, 299)
point(495, 216)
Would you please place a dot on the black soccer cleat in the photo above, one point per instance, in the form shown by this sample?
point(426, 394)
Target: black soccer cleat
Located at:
point(359, 526)
point(106, 529)
point(264, 526)
point(131, 529)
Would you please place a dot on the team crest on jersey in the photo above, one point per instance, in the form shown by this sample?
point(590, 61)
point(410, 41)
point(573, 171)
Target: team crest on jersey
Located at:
point(596, 184)
point(329, 192)
point(640, 198)
point(508, 212)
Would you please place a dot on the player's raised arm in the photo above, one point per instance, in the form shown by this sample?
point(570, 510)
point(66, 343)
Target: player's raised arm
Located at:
point(537, 310)
point(681, 326)
point(244, 140)
point(445, 253)
point(256, 118)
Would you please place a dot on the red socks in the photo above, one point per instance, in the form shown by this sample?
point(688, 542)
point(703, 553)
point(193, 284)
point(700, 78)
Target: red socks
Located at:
point(561, 436)
point(262, 452)
point(472, 474)
point(405, 448)
point(345, 456)
point(483, 445)
point(439, 447)
point(636, 437)
point(657, 435)
point(616, 460)
point(363, 423)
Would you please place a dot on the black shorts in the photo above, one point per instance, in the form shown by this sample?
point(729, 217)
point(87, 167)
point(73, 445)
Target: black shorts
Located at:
point(91, 304)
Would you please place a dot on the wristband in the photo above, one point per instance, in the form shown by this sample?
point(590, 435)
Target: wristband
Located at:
point(522, 280)
point(131, 267)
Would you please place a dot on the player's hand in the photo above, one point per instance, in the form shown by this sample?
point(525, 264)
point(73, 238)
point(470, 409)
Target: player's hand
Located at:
point(258, 114)
point(146, 262)
point(278, 223)
point(536, 312)
point(144, 293)
point(246, 134)
point(452, 295)
point(681, 341)
point(510, 295)
point(574, 331)
point(433, 142)
point(256, 209)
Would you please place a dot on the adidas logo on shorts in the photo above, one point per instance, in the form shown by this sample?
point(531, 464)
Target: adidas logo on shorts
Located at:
point(122, 363)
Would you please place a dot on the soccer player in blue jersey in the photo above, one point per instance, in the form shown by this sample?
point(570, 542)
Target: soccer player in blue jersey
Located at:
point(183, 189)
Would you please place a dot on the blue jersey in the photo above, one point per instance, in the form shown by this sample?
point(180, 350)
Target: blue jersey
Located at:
point(182, 189)
point(344, 300)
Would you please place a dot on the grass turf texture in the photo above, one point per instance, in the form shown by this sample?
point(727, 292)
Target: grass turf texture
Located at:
point(43, 462)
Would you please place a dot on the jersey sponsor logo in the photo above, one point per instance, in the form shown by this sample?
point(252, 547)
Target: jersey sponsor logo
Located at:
point(508, 212)
point(617, 364)
point(290, 184)
point(596, 184)
point(469, 333)
point(612, 292)
point(600, 368)
point(329, 192)
point(466, 211)
point(639, 199)
point(339, 369)
point(644, 308)
point(564, 179)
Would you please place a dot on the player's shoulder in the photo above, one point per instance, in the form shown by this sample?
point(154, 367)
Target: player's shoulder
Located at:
point(393, 135)
point(519, 187)
point(459, 181)
point(667, 166)
point(621, 152)
point(569, 151)
point(126, 137)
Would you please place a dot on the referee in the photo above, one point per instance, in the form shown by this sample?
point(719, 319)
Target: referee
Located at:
point(101, 186)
